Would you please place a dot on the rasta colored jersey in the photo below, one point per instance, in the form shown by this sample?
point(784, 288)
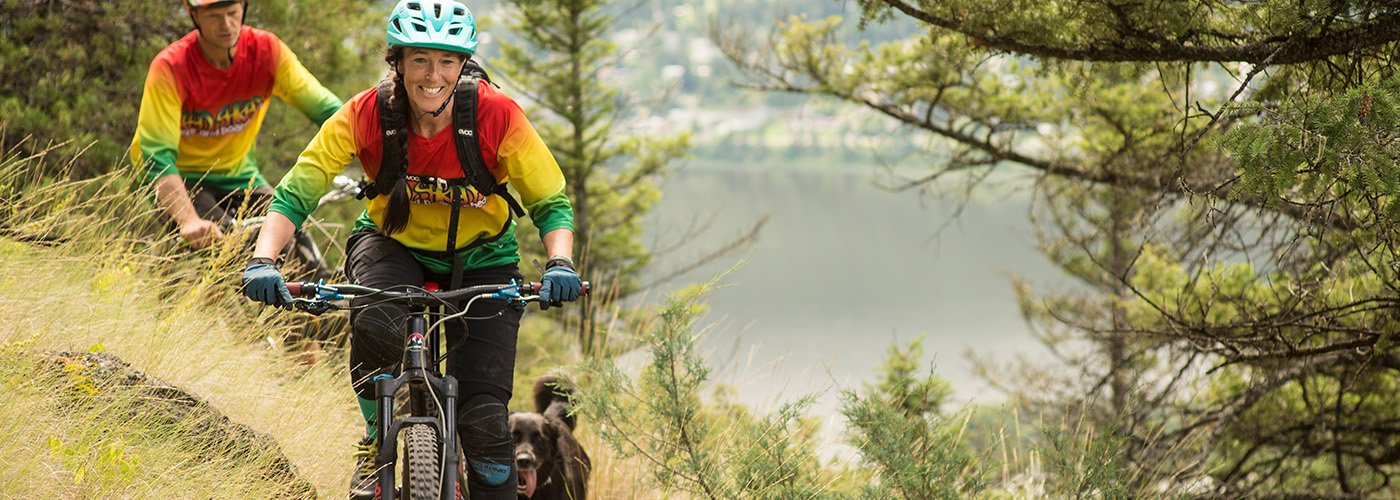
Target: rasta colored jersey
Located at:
point(200, 121)
point(511, 148)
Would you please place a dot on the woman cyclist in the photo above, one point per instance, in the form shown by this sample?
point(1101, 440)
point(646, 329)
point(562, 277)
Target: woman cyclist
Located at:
point(426, 221)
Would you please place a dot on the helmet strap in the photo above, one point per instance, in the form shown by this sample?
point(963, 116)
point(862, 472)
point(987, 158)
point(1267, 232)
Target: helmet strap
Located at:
point(444, 103)
point(453, 94)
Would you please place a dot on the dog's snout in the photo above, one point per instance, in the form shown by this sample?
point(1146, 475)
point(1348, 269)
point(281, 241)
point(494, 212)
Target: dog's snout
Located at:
point(524, 461)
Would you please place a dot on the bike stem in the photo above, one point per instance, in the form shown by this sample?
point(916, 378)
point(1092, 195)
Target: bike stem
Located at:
point(415, 350)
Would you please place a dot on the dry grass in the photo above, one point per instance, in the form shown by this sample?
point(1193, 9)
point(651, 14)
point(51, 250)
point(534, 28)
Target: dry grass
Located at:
point(87, 266)
point(186, 334)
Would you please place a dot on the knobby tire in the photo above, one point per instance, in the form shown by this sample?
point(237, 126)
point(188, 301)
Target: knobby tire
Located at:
point(423, 467)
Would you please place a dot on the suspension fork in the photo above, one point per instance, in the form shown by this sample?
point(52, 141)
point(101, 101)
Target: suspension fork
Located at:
point(419, 372)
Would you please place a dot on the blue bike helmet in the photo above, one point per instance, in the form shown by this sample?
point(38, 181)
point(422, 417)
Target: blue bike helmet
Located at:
point(433, 24)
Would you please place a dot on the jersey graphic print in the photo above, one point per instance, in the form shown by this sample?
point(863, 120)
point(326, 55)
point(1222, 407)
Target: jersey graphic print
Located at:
point(232, 119)
point(429, 190)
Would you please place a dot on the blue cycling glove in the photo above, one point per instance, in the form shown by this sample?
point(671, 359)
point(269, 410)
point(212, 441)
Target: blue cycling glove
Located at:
point(560, 284)
point(263, 283)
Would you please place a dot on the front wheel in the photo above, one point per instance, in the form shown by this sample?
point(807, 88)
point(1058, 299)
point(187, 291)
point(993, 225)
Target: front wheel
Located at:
point(422, 471)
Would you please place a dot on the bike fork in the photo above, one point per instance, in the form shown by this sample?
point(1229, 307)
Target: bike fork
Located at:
point(419, 377)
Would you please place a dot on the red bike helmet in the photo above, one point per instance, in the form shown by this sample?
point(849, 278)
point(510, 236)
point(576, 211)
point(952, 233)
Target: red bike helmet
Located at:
point(206, 3)
point(192, 4)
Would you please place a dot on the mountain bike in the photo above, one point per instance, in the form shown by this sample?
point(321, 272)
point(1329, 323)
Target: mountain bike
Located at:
point(431, 466)
point(302, 254)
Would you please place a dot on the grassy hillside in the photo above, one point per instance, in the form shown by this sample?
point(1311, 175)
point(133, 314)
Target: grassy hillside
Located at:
point(66, 299)
point(79, 297)
point(86, 268)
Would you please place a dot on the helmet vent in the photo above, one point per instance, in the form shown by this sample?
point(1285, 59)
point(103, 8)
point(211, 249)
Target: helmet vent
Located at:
point(439, 24)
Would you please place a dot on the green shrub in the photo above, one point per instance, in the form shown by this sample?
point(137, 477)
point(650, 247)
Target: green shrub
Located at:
point(917, 451)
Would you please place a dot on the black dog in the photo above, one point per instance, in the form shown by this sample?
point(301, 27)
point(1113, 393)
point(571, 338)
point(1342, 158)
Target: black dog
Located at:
point(550, 461)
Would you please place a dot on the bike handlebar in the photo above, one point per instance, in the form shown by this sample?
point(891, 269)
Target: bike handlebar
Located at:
point(323, 293)
point(533, 288)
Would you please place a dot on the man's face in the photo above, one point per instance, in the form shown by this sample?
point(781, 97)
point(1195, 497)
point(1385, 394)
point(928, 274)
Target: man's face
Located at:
point(219, 24)
point(429, 75)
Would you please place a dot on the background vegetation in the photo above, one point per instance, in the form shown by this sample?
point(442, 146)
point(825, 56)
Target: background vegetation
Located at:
point(1220, 176)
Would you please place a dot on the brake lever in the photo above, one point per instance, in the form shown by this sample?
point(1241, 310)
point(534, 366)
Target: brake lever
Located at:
point(543, 305)
point(315, 307)
point(513, 297)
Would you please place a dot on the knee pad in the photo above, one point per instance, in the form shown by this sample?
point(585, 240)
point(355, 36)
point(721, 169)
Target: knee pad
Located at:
point(481, 426)
point(375, 346)
point(377, 322)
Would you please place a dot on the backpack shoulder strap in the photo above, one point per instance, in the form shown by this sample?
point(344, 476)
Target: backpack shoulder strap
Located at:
point(394, 144)
point(464, 108)
point(475, 70)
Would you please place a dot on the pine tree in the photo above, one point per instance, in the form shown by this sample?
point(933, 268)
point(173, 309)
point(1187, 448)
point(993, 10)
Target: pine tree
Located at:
point(557, 58)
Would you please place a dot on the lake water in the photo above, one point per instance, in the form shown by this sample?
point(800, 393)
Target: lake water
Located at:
point(844, 269)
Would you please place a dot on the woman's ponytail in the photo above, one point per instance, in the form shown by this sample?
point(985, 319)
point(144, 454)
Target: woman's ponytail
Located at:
point(396, 211)
point(393, 167)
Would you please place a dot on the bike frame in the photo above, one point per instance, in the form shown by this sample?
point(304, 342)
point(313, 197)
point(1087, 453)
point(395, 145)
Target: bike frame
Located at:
point(420, 371)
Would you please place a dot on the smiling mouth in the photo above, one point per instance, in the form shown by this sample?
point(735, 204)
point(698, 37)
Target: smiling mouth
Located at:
point(431, 91)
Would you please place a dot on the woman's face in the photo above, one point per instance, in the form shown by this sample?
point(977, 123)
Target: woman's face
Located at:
point(429, 75)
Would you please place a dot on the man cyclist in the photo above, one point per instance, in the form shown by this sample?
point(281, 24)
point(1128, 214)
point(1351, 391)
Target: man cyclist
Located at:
point(438, 150)
point(205, 99)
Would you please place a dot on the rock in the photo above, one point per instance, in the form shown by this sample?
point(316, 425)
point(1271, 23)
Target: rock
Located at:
point(161, 403)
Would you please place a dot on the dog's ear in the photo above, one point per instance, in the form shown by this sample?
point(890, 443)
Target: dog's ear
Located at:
point(561, 437)
point(550, 430)
point(551, 388)
point(559, 410)
point(574, 461)
point(553, 397)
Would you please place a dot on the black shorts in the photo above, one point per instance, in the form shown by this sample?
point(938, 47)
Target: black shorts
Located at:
point(224, 206)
